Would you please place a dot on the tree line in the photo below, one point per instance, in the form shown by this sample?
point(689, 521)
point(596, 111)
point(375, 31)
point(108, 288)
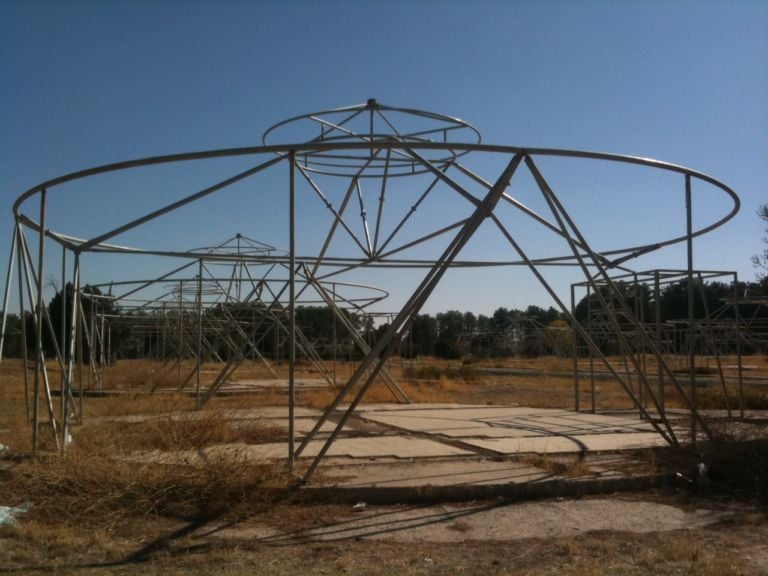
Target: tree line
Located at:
point(229, 328)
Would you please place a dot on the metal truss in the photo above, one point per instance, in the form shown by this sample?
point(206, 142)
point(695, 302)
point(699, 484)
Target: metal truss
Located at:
point(708, 334)
point(389, 188)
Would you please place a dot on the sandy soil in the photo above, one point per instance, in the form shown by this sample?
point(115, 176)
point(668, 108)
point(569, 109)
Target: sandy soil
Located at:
point(635, 534)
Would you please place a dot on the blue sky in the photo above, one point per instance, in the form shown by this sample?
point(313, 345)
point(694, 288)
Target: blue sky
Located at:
point(88, 83)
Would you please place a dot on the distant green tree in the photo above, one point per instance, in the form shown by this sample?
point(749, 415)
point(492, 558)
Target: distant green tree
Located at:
point(483, 323)
point(422, 336)
point(326, 332)
point(761, 260)
point(12, 342)
point(503, 318)
point(93, 304)
point(469, 325)
point(636, 297)
point(542, 316)
point(450, 328)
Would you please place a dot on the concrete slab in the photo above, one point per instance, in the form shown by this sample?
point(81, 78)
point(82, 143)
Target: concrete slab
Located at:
point(442, 451)
point(386, 446)
point(504, 422)
point(481, 408)
point(305, 425)
point(535, 427)
point(478, 431)
point(402, 447)
point(399, 447)
point(456, 472)
point(300, 383)
point(302, 425)
point(569, 444)
point(418, 422)
point(280, 412)
point(621, 420)
point(261, 413)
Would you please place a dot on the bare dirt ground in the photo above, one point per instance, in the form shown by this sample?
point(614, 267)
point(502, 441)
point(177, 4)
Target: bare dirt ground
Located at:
point(92, 514)
point(646, 535)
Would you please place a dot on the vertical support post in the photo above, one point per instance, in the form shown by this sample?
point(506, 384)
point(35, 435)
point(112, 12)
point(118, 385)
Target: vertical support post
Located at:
point(163, 357)
point(639, 350)
point(292, 310)
point(410, 342)
point(73, 334)
point(691, 311)
point(575, 353)
point(659, 367)
point(278, 349)
point(23, 316)
point(711, 341)
point(333, 295)
point(181, 335)
point(78, 331)
point(92, 344)
point(101, 350)
point(6, 297)
point(63, 345)
point(737, 321)
point(371, 104)
point(592, 389)
point(199, 332)
point(39, 325)
point(252, 338)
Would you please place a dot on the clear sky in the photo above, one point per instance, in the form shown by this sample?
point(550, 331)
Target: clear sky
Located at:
point(86, 83)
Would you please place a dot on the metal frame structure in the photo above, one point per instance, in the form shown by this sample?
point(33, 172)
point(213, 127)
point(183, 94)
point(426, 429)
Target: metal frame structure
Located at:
point(341, 159)
point(192, 314)
point(678, 341)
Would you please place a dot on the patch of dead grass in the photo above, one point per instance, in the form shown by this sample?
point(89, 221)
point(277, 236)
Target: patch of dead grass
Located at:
point(559, 466)
point(83, 490)
point(176, 431)
point(93, 486)
point(137, 403)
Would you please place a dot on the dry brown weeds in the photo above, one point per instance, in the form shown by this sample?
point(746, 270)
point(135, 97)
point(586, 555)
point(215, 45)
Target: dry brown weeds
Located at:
point(93, 486)
point(85, 490)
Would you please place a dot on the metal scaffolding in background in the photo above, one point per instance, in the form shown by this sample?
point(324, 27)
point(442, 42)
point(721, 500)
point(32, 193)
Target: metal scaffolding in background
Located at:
point(668, 348)
point(225, 313)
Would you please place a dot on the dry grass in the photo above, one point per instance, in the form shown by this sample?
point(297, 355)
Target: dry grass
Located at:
point(178, 431)
point(559, 466)
point(93, 485)
point(704, 553)
point(428, 380)
point(755, 398)
point(463, 372)
point(737, 466)
point(137, 403)
point(141, 374)
point(86, 490)
point(93, 504)
point(679, 553)
point(145, 375)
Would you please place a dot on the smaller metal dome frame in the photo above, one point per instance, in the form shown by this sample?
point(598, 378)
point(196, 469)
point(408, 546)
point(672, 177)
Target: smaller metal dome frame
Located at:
point(372, 123)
